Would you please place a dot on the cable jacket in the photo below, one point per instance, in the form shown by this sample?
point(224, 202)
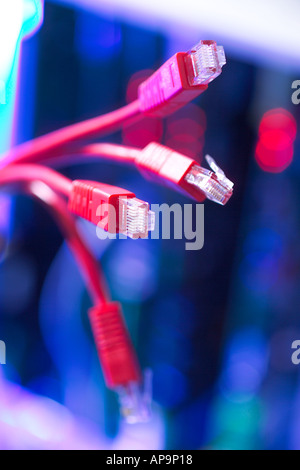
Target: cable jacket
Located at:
point(57, 142)
point(28, 173)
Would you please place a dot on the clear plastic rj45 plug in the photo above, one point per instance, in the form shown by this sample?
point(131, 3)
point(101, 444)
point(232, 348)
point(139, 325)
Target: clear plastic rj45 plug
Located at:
point(136, 218)
point(214, 184)
point(204, 62)
point(135, 400)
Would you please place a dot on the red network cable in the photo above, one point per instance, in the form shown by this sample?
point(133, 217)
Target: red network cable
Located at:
point(161, 164)
point(156, 162)
point(181, 79)
point(116, 353)
point(44, 184)
point(57, 142)
point(111, 152)
point(178, 81)
point(111, 208)
point(89, 267)
point(14, 174)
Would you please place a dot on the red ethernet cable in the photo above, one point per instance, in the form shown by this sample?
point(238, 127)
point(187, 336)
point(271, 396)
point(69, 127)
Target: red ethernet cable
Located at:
point(56, 142)
point(28, 173)
point(87, 263)
point(116, 353)
point(178, 81)
point(111, 208)
point(159, 163)
point(181, 79)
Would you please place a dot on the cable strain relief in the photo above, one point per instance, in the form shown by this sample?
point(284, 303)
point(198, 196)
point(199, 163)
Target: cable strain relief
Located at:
point(163, 165)
point(114, 346)
point(79, 200)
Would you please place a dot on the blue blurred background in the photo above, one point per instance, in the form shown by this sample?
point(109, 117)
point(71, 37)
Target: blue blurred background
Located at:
point(216, 326)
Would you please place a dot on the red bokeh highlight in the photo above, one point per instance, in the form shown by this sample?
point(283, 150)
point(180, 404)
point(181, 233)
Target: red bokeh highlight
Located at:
point(276, 140)
point(280, 119)
point(275, 147)
point(274, 161)
point(147, 130)
point(185, 131)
